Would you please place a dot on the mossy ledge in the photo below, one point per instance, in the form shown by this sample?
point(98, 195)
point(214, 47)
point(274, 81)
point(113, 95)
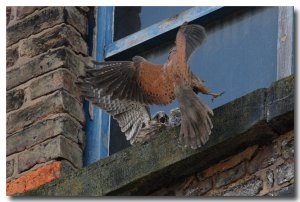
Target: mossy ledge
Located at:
point(256, 118)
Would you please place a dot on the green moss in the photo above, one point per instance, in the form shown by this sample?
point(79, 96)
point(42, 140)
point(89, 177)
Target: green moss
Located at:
point(140, 169)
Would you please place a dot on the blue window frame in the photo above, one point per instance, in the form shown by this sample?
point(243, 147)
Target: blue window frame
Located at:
point(278, 21)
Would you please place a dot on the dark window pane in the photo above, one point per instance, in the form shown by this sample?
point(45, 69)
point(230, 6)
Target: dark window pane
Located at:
point(117, 139)
point(238, 57)
point(128, 20)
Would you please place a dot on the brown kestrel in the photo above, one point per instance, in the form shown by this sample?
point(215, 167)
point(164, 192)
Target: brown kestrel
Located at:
point(125, 89)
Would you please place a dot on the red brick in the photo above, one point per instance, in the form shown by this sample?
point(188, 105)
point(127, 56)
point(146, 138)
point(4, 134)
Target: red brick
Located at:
point(34, 179)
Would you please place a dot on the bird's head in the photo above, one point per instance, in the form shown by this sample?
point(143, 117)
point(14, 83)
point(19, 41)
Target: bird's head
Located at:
point(161, 117)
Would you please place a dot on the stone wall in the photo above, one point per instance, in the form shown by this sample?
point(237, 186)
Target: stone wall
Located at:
point(259, 170)
point(46, 48)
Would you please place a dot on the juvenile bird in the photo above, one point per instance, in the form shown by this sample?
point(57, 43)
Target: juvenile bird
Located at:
point(125, 89)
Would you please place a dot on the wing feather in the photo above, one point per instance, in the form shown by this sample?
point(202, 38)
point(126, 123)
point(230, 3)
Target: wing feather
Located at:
point(129, 115)
point(188, 39)
point(137, 80)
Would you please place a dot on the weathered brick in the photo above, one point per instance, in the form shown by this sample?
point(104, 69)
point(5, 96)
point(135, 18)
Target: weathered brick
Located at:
point(56, 148)
point(288, 149)
point(265, 157)
point(23, 11)
point(58, 102)
point(10, 167)
point(8, 14)
point(198, 188)
point(270, 178)
point(83, 8)
point(54, 59)
point(12, 55)
point(228, 176)
point(34, 179)
point(44, 19)
point(285, 172)
point(230, 162)
point(249, 188)
point(60, 79)
point(288, 191)
point(78, 20)
point(62, 35)
point(14, 99)
point(42, 131)
point(66, 168)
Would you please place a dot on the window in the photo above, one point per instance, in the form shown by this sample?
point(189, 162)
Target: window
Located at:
point(244, 51)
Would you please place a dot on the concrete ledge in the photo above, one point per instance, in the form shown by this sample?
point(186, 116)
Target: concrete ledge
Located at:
point(256, 118)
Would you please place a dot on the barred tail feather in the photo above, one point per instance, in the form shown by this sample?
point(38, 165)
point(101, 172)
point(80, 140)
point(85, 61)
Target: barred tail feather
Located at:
point(196, 121)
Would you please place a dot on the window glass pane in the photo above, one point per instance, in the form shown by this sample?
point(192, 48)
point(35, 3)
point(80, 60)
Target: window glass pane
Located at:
point(128, 20)
point(238, 57)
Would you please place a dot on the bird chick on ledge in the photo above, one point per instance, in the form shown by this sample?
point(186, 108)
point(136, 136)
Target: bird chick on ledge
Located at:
point(125, 89)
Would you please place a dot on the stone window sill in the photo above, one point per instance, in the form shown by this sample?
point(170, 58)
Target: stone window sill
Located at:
point(256, 118)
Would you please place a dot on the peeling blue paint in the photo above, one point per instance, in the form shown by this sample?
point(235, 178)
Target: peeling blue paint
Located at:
point(97, 129)
point(158, 29)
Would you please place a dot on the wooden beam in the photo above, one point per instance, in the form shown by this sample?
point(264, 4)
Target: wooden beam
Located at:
point(285, 41)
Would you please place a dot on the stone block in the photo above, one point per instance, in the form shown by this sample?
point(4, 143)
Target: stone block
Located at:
point(42, 131)
point(249, 188)
point(46, 18)
point(14, 99)
point(270, 178)
point(58, 102)
point(246, 111)
point(285, 172)
point(199, 188)
point(279, 102)
point(53, 59)
point(56, 148)
point(288, 149)
point(288, 191)
point(265, 157)
point(62, 35)
point(229, 176)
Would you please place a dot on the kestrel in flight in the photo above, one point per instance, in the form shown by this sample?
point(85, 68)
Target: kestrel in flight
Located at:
point(125, 89)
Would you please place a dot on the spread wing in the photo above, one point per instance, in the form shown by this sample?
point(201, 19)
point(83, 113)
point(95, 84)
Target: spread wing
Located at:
point(131, 116)
point(188, 39)
point(137, 80)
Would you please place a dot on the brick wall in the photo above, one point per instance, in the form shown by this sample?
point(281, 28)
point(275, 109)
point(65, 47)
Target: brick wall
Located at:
point(45, 51)
point(259, 170)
